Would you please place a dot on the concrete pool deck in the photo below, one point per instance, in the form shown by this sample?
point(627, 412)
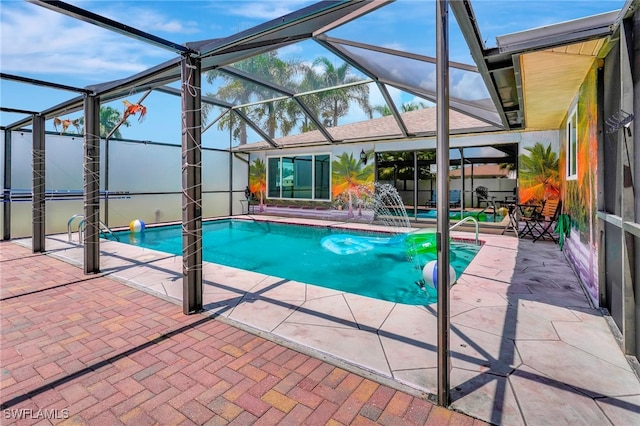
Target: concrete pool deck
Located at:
point(526, 345)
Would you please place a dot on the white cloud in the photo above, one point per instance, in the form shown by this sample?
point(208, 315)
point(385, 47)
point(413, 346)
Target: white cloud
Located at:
point(290, 51)
point(469, 87)
point(264, 10)
point(151, 21)
point(36, 40)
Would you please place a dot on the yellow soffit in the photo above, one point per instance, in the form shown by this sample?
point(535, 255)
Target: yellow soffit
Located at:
point(551, 80)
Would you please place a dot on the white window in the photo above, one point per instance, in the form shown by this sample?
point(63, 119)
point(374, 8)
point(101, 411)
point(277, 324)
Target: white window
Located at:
point(306, 177)
point(572, 144)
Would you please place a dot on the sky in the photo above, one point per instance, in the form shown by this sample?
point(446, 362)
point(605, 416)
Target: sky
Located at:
point(41, 44)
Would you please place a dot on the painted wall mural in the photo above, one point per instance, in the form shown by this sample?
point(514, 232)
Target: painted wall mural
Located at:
point(579, 193)
point(538, 174)
point(352, 182)
point(258, 181)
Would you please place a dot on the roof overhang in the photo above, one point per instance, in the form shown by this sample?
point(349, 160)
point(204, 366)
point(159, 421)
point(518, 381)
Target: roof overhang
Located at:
point(534, 75)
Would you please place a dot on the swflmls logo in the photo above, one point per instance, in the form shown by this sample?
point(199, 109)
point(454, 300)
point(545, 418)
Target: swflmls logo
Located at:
point(30, 413)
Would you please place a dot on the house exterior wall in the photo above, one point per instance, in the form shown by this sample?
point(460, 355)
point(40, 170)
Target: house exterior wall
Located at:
point(578, 193)
point(499, 187)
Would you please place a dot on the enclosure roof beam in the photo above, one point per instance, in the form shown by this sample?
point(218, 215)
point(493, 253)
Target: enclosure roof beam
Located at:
point(72, 105)
point(321, 127)
point(394, 110)
point(459, 105)
point(206, 99)
point(36, 82)
point(393, 52)
point(166, 72)
point(383, 89)
point(124, 117)
point(257, 129)
point(490, 116)
point(253, 79)
point(109, 24)
point(277, 88)
point(18, 111)
point(467, 22)
point(300, 24)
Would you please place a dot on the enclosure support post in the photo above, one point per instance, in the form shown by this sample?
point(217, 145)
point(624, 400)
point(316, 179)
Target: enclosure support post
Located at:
point(92, 184)
point(6, 205)
point(191, 186)
point(462, 184)
point(38, 185)
point(442, 161)
point(473, 192)
point(231, 171)
point(416, 186)
point(106, 181)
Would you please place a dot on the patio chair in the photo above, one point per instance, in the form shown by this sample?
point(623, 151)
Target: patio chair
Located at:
point(482, 192)
point(434, 198)
point(539, 220)
point(527, 214)
point(454, 198)
point(546, 220)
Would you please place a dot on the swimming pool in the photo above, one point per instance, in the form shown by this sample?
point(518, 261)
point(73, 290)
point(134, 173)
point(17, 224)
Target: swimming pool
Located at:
point(383, 270)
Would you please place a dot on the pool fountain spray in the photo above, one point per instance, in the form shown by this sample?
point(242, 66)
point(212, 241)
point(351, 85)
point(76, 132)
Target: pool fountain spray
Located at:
point(388, 209)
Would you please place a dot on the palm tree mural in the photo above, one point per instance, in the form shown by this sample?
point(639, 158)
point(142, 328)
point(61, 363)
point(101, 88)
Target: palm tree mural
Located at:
point(258, 180)
point(350, 178)
point(539, 174)
point(579, 195)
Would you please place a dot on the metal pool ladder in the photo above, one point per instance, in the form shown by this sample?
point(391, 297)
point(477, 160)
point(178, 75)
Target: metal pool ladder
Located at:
point(467, 219)
point(81, 226)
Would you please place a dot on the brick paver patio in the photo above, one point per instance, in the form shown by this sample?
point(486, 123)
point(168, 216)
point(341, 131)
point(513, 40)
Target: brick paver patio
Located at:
point(82, 349)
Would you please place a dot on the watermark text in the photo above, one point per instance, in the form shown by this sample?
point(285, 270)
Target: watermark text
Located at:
point(30, 413)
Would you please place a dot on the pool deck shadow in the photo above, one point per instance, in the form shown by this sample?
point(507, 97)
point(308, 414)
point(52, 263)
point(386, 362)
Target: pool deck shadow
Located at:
point(527, 346)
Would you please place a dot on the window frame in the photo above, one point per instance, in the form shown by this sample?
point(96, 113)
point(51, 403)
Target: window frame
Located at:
point(313, 175)
point(572, 140)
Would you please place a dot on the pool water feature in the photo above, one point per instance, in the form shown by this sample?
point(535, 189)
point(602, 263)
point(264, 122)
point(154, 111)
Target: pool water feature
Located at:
point(295, 252)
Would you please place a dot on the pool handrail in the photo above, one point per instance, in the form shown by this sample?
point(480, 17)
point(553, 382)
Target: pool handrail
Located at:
point(467, 219)
point(108, 230)
point(71, 219)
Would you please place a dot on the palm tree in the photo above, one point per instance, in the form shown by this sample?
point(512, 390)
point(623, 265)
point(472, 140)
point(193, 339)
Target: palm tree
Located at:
point(349, 177)
point(268, 67)
point(384, 110)
point(539, 174)
point(334, 103)
point(109, 119)
point(413, 106)
point(258, 180)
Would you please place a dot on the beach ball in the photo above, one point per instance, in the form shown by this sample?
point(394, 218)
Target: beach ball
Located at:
point(136, 225)
point(430, 274)
point(503, 211)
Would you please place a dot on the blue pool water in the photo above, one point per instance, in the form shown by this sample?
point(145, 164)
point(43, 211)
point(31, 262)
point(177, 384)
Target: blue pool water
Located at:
point(375, 266)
